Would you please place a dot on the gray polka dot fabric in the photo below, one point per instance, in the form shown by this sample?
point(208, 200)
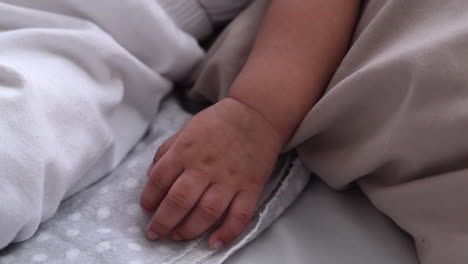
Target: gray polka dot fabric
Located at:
point(104, 223)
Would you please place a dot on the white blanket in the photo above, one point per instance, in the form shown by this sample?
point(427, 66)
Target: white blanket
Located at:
point(104, 223)
point(79, 84)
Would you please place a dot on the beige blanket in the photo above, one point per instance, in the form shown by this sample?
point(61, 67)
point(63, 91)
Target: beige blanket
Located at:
point(394, 118)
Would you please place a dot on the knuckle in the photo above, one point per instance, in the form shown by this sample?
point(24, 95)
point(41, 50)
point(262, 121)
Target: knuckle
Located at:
point(189, 182)
point(156, 180)
point(242, 218)
point(160, 227)
point(230, 235)
point(187, 144)
point(178, 200)
point(186, 234)
point(209, 213)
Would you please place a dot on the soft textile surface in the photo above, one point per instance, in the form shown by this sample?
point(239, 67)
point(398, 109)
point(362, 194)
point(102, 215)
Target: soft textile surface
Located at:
point(199, 18)
point(79, 86)
point(394, 118)
point(104, 223)
point(324, 226)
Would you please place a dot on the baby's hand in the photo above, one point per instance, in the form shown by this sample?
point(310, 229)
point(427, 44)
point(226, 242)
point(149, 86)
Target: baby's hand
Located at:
point(218, 163)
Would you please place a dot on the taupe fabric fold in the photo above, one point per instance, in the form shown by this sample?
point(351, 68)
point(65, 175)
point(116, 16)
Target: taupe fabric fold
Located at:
point(394, 117)
point(227, 55)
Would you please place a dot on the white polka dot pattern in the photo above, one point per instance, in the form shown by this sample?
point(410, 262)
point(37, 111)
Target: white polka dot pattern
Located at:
point(134, 209)
point(105, 224)
point(72, 232)
point(75, 217)
point(134, 229)
point(72, 254)
point(40, 258)
point(42, 237)
point(103, 246)
point(104, 230)
point(134, 246)
point(131, 183)
point(103, 213)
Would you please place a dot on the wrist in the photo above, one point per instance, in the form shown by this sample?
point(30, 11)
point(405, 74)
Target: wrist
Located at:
point(283, 120)
point(252, 118)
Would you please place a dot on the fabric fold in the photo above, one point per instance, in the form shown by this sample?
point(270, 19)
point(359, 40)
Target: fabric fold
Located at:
point(79, 86)
point(393, 118)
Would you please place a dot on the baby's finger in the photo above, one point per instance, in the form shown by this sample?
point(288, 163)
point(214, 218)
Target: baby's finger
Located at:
point(207, 212)
point(240, 213)
point(181, 198)
point(161, 177)
point(162, 150)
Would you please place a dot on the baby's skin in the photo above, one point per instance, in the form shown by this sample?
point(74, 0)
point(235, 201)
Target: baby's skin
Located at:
point(214, 169)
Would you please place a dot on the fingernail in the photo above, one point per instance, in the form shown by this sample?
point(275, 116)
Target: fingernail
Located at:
point(152, 235)
point(217, 245)
point(176, 237)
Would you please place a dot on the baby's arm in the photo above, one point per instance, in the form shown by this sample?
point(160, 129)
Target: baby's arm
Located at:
point(219, 162)
point(296, 53)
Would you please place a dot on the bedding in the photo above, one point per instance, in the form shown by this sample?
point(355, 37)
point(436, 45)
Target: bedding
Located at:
point(78, 89)
point(393, 118)
point(324, 226)
point(104, 223)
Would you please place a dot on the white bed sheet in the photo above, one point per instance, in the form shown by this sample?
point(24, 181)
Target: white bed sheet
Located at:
point(104, 223)
point(328, 227)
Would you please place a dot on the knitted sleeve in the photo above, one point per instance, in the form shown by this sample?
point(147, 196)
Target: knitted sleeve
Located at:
point(198, 17)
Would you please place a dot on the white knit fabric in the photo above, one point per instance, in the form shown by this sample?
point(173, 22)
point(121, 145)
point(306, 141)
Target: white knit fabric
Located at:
point(189, 16)
point(79, 84)
point(197, 17)
point(223, 10)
